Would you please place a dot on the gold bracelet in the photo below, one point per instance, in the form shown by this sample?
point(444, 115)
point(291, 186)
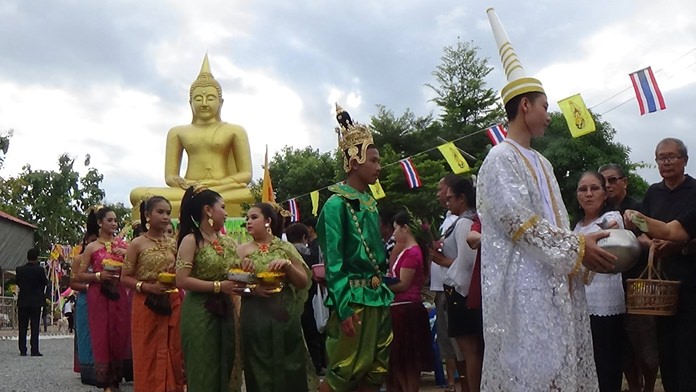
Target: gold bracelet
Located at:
point(98, 275)
point(216, 286)
point(139, 286)
point(581, 255)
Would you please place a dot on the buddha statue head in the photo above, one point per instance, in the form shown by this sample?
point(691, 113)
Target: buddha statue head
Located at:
point(205, 96)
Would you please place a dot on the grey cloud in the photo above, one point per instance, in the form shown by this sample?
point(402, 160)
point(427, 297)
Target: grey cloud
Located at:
point(77, 43)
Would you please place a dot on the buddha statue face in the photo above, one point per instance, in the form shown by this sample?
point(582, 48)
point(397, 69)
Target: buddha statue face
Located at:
point(206, 104)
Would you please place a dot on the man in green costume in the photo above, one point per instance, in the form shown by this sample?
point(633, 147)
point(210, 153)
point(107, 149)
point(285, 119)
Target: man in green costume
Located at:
point(358, 334)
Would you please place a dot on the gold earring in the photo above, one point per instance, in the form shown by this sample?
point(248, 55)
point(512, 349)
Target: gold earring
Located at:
point(268, 228)
point(210, 220)
point(147, 224)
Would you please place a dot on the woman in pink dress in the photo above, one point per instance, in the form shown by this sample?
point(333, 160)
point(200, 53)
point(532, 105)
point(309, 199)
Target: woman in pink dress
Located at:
point(411, 349)
point(108, 302)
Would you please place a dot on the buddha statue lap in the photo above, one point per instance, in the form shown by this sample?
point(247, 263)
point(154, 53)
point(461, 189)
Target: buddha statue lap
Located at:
point(218, 153)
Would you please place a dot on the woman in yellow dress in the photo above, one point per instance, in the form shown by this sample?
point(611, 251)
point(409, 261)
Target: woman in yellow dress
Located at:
point(158, 365)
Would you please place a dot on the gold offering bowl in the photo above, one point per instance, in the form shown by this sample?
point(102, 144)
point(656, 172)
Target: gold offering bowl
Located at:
point(112, 265)
point(272, 279)
point(166, 278)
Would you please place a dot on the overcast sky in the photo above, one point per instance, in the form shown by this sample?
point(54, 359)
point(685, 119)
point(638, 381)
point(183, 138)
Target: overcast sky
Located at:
point(109, 78)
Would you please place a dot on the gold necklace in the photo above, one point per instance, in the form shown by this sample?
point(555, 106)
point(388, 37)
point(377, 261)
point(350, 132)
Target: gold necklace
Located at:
point(205, 237)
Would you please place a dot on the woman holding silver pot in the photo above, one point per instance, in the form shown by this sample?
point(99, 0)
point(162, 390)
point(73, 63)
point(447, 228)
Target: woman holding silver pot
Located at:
point(604, 292)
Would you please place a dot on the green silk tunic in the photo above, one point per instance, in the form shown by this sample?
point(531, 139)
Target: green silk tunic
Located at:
point(353, 251)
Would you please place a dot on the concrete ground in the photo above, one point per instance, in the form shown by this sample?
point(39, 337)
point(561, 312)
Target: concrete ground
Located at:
point(54, 371)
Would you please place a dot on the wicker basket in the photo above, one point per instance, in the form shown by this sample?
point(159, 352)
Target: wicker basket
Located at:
point(651, 294)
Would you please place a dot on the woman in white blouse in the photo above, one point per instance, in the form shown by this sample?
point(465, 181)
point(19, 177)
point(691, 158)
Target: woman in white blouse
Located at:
point(464, 324)
point(604, 292)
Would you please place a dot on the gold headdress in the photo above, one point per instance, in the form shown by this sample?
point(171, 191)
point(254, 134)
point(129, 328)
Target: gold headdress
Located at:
point(282, 212)
point(353, 138)
point(198, 189)
point(205, 79)
point(95, 208)
point(518, 82)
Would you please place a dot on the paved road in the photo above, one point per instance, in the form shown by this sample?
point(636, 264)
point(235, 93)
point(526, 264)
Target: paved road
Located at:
point(54, 371)
point(51, 373)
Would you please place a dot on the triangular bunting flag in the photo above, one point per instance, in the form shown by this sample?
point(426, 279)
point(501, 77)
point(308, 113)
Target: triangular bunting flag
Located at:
point(267, 194)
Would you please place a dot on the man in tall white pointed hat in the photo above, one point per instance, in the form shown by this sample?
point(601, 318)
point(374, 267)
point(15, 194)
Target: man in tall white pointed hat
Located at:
point(536, 327)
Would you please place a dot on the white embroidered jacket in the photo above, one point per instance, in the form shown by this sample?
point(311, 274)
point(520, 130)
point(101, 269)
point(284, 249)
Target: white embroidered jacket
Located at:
point(536, 327)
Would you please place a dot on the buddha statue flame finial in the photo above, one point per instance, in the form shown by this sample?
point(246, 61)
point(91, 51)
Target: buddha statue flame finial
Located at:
point(205, 79)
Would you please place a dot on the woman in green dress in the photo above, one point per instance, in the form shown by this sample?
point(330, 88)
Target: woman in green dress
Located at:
point(207, 314)
point(273, 347)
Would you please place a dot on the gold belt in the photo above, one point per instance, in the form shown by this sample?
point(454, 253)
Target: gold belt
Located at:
point(373, 282)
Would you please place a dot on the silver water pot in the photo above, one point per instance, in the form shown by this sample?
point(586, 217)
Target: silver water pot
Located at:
point(624, 245)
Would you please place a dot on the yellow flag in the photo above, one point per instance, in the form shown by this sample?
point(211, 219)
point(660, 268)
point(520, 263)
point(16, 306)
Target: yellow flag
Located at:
point(267, 194)
point(454, 158)
point(314, 195)
point(377, 191)
point(577, 116)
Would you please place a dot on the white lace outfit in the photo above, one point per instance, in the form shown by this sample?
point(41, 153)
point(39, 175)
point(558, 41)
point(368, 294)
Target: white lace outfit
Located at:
point(605, 293)
point(536, 326)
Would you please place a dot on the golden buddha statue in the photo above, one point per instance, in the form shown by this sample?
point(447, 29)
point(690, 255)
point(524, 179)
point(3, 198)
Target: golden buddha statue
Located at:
point(218, 153)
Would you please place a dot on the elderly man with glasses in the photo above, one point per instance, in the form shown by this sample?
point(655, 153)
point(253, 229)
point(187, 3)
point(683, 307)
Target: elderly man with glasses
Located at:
point(666, 201)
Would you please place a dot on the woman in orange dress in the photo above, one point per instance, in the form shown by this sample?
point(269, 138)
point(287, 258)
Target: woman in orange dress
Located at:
point(158, 364)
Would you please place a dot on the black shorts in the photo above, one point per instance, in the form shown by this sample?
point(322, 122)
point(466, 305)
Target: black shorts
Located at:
point(463, 321)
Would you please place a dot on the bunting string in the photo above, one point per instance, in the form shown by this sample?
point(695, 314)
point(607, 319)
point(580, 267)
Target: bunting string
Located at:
point(315, 192)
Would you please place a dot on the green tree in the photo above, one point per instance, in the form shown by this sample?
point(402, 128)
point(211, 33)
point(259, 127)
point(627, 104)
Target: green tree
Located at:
point(467, 104)
point(296, 172)
point(421, 201)
point(5, 137)
point(407, 134)
point(573, 156)
point(54, 201)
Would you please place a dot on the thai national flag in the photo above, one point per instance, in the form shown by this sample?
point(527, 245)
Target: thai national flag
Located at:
point(496, 133)
point(648, 94)
point(411, 173)
point(294, 211)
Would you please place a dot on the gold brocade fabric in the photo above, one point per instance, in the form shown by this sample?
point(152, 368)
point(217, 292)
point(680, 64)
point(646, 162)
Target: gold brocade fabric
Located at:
point(153, 260)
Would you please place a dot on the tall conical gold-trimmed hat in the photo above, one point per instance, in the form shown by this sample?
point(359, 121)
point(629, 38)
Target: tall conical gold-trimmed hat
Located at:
point(518, 82)
point(353, 138)
point(205, 79)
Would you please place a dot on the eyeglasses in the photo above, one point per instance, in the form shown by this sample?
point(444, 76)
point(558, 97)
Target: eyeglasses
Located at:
point(591, 188)
point(612, 180)
point(668, 159)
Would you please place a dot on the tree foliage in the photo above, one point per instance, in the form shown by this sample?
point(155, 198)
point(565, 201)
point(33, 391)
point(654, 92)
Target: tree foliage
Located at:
point(5, 137)
point(467, 104)
point(55, 201)
point(296, 172)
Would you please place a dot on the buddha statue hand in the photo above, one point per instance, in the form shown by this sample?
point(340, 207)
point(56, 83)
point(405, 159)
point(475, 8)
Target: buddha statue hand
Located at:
point(178, 181)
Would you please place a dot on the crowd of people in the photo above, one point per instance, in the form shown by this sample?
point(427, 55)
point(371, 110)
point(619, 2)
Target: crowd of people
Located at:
point(522, 300)
point(525, 299)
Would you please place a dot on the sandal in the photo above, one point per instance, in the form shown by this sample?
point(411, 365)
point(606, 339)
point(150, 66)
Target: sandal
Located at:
point(451, 388)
